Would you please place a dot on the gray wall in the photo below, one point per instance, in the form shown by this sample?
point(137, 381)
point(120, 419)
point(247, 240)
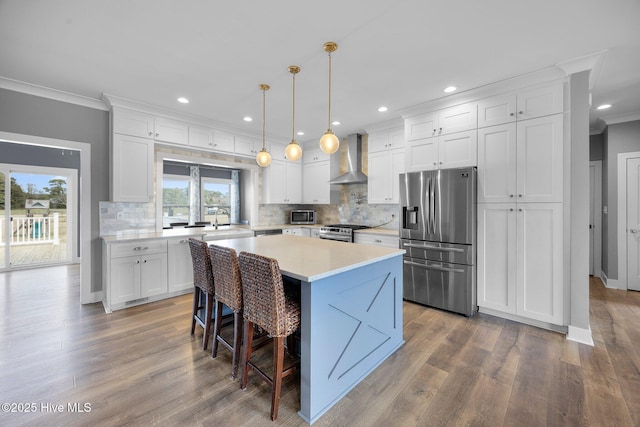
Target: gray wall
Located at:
point(617, 138)
point(32, 115)
point(595, 147)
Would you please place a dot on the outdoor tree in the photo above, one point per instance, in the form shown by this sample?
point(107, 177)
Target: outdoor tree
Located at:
point(57, 192)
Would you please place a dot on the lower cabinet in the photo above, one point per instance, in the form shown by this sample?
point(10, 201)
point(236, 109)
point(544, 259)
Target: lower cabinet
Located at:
point(302, 231)
point(179, 265)
point(520, 260)
point(138, 272)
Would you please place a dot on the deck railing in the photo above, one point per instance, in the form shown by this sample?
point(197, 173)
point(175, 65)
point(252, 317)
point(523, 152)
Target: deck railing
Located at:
point(29, 230)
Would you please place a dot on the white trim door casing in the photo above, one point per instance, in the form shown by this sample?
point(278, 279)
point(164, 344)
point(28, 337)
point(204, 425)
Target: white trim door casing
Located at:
point(84, 191)
point(595, 217)
point(633, 224)
point(622, 217)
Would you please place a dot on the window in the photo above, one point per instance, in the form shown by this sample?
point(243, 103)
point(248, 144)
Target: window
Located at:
point(175, 199)
point(216, 200)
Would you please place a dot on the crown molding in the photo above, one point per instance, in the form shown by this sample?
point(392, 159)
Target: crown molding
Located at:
point(528, 80)
point(621, 118)
point(592, 62)
point(55, 94)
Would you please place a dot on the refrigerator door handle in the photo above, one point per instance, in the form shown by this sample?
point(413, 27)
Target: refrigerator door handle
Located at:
point(435, 267)
point(435, 248)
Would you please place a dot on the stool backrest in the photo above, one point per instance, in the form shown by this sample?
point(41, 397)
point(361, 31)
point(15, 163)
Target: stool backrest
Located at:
point(226, 273)
point(263, 293)
point(202, 273)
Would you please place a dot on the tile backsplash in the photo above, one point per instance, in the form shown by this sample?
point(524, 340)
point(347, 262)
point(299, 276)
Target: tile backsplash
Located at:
point(122, 218)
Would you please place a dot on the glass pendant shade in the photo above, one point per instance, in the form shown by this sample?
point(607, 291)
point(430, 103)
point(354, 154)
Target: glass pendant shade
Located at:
point(293, 151)
point(329, 143)
point(263, 158)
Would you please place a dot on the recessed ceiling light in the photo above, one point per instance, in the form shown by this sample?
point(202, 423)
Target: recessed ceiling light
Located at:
point(300, 133)
point(382, 109)
point(248, 119)
point(604, 106)
point(335, 123)
point(183, 100)
point(450, 89)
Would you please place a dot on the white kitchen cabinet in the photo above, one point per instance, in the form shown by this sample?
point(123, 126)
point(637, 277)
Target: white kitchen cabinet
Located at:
point(173, 131)
point(316, 188)
point(521, 161)
point(532, 103)
point(520, 261)
point(179, 265)
point(384, 170)
point(282, 182)
point(297, 231)
point(385, 140)
point(211, 139)
point(245, 146)
point(313, 155)
point(132, 123)
point(454, 150)
point(314, 232)
point(386, 240)
point(131, 169)
point(134, 271)
point(449, 120)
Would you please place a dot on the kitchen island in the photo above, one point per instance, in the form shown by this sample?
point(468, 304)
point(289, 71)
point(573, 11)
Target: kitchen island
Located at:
point(351, 309)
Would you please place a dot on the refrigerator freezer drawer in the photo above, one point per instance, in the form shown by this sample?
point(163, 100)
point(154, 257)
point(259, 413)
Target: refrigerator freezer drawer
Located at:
point(438, 251)
point(447, 286)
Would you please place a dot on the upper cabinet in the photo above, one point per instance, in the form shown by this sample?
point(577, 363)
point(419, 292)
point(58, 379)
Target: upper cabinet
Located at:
point(131, 169)
point(135, 123)
point(528, 104)
point(313, 155)
point(454, 150)
point(386, 162)
point(385, 140)
point(282, 182)
point(210, 139)
point(521, 161)
point(449, 120)
point(315, 179)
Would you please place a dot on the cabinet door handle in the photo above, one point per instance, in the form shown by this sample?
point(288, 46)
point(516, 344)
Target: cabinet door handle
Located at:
point(378, 241)
point(520, 112)
point(511, 114)
point(138, 262)
point(519, 195)
point(150, 133)
point(145, 261)
point(511, 195)
point(157, 135)
point(184, 241)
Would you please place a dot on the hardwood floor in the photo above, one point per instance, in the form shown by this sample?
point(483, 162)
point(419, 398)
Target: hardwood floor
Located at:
point(140, 366)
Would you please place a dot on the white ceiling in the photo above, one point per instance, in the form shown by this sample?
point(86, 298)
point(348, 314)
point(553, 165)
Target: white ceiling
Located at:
point(397, 54)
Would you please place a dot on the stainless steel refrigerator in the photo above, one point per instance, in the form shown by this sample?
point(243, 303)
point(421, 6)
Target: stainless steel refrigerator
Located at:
point(438, 232)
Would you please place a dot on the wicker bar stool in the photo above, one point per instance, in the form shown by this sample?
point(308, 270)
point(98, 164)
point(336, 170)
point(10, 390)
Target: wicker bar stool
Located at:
point(226, 272)
point(202, 284)
point(266, 305)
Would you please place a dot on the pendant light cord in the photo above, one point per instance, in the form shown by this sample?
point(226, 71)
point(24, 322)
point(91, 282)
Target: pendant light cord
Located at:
point(329, 119)
point(264, 114)
point(293, 120)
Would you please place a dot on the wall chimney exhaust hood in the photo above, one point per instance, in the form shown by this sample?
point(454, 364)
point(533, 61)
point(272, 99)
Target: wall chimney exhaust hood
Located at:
point(354, 173)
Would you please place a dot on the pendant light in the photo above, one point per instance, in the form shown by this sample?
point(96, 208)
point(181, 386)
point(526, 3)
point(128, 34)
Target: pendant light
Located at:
point(263, 158)
point(293, 150)
point(329, 143)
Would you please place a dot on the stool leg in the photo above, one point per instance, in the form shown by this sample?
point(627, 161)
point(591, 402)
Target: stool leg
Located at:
point(246, 353)
point(237, 339)
point(278, 366)
point(207, 322)
point(217, 325)
point(196, 303)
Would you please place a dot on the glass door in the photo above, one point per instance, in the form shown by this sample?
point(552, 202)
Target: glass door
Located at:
point(38, 222)
point(4, 224)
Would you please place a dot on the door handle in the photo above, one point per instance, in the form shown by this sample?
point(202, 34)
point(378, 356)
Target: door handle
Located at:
point(435, 267)
point(634, 230)
point(436, 248)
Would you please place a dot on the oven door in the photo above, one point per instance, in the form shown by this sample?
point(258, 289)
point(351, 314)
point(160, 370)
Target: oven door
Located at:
point(340, 237)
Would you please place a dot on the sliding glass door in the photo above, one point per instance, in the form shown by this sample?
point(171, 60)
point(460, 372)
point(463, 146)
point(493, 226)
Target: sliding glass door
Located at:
point(39, 213)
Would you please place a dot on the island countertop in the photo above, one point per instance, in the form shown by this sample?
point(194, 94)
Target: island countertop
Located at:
point(309, 259)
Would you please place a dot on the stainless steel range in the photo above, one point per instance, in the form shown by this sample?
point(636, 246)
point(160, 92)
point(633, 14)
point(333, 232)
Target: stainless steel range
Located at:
point(340, 232)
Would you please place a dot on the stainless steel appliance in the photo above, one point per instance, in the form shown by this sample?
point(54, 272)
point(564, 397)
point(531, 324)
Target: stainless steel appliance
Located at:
point(303, 216)
point(438, 232)
point(340, 232)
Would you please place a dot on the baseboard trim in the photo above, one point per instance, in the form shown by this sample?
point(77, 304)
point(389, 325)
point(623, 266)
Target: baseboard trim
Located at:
point(580, 335)
point(609, 283)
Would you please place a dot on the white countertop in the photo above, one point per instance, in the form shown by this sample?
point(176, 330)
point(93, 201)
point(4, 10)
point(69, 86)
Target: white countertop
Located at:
point(310, 259)
point(210, 232)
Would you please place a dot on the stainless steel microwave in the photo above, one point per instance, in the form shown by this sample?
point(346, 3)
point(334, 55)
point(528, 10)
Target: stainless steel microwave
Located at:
point(300, 216)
